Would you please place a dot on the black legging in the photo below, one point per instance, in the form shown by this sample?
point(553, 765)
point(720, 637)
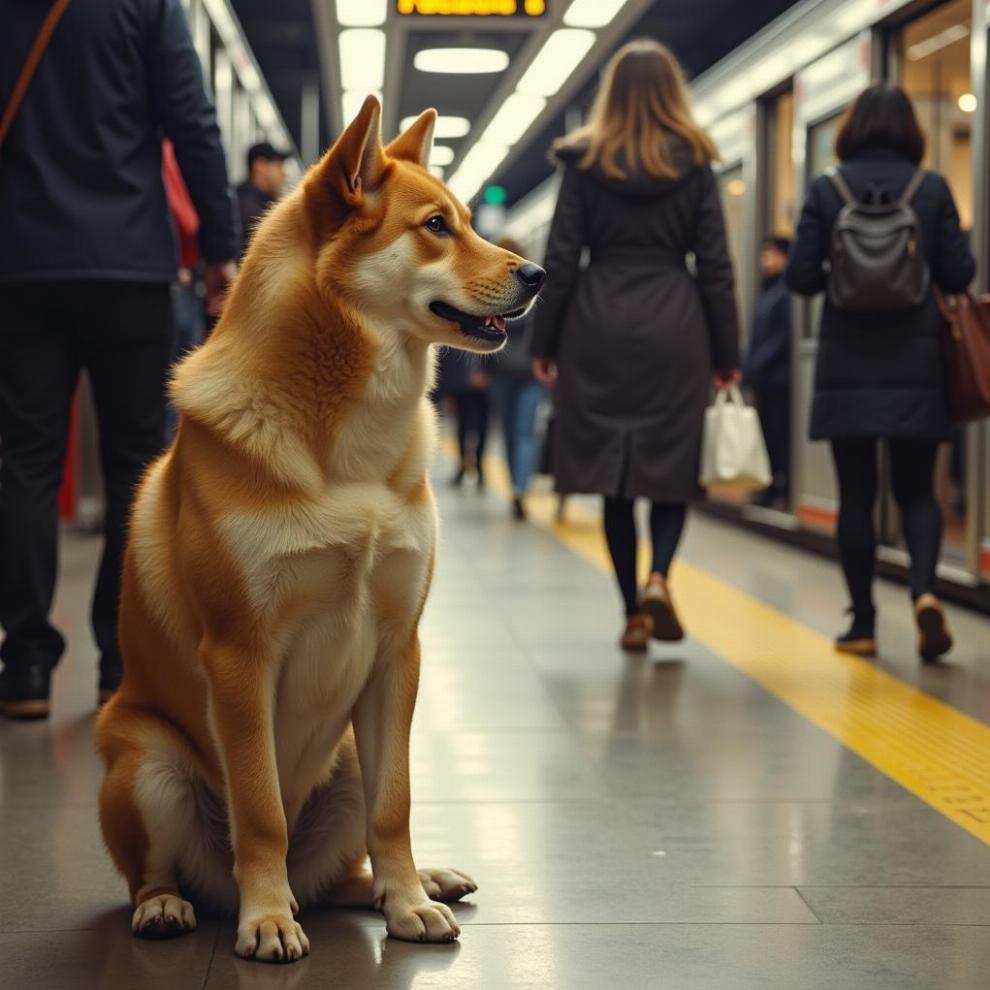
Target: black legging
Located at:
point(666, 527)
point(912, 464)
point(472, 419)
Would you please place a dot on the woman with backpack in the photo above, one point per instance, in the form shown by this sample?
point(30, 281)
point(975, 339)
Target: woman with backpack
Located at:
point(878, 235)
point(632, 342)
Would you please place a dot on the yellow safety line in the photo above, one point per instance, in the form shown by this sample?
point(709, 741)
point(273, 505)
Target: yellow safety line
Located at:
point(933, 750)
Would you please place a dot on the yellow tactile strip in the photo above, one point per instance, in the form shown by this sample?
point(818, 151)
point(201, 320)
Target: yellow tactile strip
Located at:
point(931, 749)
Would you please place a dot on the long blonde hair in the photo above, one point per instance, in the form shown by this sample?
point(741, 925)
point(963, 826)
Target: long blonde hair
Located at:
point(642, 100)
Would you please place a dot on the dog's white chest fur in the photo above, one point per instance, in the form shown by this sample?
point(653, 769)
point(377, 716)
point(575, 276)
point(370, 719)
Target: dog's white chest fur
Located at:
point(340, 604)
point(342, 572)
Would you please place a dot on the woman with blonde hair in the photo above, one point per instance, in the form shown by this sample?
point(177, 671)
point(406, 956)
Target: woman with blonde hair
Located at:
point(632, 341)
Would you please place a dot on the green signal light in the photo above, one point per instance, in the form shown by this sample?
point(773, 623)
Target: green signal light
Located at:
point(495, 195)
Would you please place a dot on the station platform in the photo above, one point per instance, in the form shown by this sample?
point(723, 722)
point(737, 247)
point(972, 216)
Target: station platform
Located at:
point(746, 809)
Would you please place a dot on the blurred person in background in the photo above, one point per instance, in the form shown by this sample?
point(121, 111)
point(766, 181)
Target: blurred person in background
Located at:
point(633, 342)
point(517, 397)
point(87, 259)
point(879, 374)
point(187, 300)
point(465, 381)
point(767, 369)
point(266, 177)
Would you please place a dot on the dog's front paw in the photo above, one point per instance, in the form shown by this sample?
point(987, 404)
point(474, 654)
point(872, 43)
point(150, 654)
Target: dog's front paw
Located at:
point(421, 921)
point(163, 917)
point(446, 885)
point(271, 938)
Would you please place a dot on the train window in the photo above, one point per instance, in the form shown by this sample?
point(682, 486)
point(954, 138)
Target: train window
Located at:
point(935, 71)
point(821, 144)
point(733, 188)
point(821, 156)
point(780, 199)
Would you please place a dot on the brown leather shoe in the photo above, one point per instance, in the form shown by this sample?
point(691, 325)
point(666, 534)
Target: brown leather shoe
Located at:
point(934, 638)
point(656, 602)
point(865, 646)
point(636, 638)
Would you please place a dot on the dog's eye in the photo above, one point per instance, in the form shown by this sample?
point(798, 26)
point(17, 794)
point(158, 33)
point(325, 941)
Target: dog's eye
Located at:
point(437, 225)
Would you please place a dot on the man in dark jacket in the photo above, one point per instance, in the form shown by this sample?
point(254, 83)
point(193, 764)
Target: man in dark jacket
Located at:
point(767, 370)
point(87, 255)
point(266, 176)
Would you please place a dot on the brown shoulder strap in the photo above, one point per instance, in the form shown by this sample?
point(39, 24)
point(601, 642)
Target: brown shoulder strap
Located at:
point(30, 64)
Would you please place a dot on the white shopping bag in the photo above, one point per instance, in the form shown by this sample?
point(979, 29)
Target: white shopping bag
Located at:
point(733, 451)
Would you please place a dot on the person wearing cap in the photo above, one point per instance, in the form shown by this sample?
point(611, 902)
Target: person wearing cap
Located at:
point(767, 370)
point(266, 176)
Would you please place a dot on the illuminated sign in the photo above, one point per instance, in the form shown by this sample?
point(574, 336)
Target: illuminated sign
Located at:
point(472, 8)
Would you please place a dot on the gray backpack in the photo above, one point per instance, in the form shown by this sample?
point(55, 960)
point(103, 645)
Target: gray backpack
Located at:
point(877, 260)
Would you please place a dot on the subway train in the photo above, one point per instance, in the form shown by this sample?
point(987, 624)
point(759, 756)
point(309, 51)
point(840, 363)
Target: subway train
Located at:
point(773, 107)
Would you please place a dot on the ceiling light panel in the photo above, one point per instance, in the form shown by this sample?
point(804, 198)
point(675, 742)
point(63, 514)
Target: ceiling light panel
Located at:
point(461, 60)
point(592, 13)
point(514, 118)
point(362, 59)
point(352, 101)
point(441, 155)
point(556, 60)
point(446, 127)
point(478, 165)
point(361, 13)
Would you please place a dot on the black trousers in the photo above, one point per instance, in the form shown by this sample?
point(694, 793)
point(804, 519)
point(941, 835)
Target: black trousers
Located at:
point(666, 526)
point(912, 465)
point(774, 409)
point(121, 334)
point(473, 409)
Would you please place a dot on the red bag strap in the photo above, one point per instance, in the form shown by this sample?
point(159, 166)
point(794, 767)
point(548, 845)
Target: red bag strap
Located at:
point(48, 26)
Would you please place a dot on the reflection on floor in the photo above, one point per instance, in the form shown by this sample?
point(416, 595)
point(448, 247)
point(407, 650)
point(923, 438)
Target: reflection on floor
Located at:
point(632, 822)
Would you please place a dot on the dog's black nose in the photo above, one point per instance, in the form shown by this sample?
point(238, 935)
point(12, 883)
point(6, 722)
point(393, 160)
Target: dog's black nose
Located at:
point(532, 275)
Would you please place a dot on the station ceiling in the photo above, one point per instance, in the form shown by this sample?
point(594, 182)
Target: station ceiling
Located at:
point(296, 45)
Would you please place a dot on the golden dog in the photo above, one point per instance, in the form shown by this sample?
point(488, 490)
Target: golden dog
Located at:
point(279, 559)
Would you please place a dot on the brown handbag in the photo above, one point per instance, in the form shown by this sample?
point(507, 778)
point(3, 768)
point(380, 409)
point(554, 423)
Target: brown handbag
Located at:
point(966, 346)
point(37, 49)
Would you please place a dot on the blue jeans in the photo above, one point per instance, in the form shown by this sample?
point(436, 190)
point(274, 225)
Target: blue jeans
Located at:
point(517, 401)
point(190, 325)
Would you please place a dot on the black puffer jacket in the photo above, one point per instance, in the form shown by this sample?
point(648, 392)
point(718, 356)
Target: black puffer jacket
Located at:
point(81, 192)
point(880, 374)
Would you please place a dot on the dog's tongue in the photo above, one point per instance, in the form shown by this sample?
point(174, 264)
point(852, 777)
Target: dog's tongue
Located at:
point(495, 321)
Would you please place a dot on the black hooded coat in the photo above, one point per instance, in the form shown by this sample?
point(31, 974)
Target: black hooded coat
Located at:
point(638, 330)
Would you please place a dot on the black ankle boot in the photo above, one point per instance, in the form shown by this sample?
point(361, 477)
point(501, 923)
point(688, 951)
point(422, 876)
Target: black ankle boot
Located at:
point(25, 690)
point(860, 639)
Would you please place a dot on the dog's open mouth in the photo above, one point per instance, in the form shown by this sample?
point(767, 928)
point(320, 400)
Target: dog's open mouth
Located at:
point(490, 328)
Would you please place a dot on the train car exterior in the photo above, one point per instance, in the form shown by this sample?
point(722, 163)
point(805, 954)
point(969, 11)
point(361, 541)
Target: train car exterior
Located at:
point(773, 106)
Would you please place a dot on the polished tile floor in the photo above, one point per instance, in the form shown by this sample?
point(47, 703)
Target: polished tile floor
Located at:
point(632, 823)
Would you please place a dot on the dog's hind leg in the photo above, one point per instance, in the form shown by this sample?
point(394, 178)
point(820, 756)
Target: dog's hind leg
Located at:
point(147, 813)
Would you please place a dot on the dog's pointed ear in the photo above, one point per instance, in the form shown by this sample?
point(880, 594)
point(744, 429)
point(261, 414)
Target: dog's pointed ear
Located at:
point(356, 162)
point(415, 143)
